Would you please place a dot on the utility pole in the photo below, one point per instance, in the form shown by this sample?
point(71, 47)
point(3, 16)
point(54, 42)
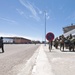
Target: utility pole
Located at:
point(45, 28)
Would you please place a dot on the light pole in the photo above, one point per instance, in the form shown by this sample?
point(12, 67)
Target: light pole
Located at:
point(45, 28)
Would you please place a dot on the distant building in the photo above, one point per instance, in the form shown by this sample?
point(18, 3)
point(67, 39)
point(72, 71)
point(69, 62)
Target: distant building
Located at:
point(21, 40)
point(68, 28)
point(16, 40)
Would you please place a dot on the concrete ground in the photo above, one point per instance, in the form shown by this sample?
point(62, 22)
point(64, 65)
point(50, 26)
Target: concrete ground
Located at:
point(39, 62)
point(62, 63)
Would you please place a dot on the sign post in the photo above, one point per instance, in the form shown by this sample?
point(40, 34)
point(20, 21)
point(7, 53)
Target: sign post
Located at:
point(50, 37)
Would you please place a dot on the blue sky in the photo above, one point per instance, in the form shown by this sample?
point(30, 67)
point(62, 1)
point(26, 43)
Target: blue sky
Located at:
point(27, 17)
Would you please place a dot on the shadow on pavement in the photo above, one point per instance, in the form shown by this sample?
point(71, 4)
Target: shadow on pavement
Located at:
point(67, 51)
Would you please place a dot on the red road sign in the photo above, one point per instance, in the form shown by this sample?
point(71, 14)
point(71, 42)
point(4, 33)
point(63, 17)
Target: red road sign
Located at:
point(50, 36)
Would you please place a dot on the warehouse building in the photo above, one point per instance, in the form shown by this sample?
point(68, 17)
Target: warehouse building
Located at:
point(16, 40)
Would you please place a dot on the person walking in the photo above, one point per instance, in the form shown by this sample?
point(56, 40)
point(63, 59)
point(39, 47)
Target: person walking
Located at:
point(56, 42)
point(1, 44)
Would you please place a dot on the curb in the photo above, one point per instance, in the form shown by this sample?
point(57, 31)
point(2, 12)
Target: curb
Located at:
point(42, 65)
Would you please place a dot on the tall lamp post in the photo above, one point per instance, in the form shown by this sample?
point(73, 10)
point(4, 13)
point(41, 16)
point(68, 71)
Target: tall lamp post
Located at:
point(45, 27)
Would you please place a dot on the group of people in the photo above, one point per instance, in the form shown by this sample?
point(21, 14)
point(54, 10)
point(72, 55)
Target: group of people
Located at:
point(68, 42)
point(1, 44)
